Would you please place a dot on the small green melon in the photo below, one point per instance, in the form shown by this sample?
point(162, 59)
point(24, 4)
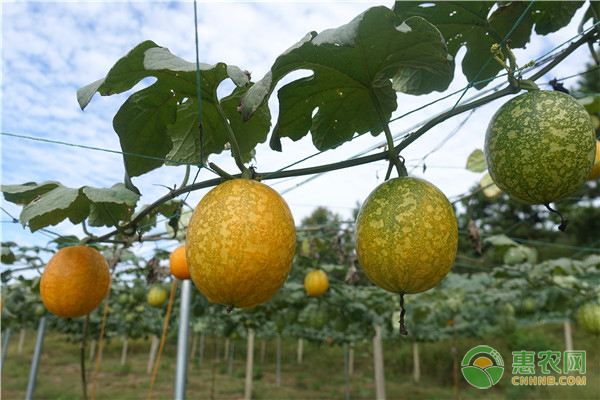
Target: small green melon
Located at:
point(540, 147)
point(406, 236)
point(588, 317)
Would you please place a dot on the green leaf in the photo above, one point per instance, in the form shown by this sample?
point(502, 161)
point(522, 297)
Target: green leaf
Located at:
point(161, 121)
point(110, 206)
point(104, 207)
point(55, 206)
point(27, 192)
point(466, 23)
point(419, 81)
point(185, 136)
point(501, 241)
point(124, 75)
point(591, 104)
point(141, 124)
point(249, 133)
point(146, 223)
point(350, 89)
point(560, 266)
point(476, 161)
point(550, 16)
point(65, 241)
point(7, 257)
point(593, 260)
point(170, 208)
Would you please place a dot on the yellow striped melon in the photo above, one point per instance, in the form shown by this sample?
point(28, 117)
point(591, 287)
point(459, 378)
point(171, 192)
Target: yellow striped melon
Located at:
point(406, 236)
point(240, 243)
point(540, 147)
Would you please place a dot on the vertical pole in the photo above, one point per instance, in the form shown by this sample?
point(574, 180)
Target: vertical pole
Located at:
point(299, 350)
point(4, 347)
point(347, 370)
point(263, 350)
point(351, 359)
point(37, 351)
point(568, 336)
point(193, 349)
point(201, 351)
point(21, 339)
point(226, 351)
point(278, 368)
point(455, 357)
point(217, 350)
point(153, 351)
point(249, 365)
point(124, 350)
point(182, 340)
point(230, 368)
point(416, 362)
point(92, 350)
point(378, 361)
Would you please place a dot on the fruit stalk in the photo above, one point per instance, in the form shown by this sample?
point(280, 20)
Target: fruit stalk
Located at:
point(403, 330)
point(235, 148)
point(392, 154)
point(563, 220)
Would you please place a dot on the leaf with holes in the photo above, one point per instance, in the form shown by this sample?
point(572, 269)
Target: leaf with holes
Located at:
point(161, 120)
point(470, 24)
point(350, 89)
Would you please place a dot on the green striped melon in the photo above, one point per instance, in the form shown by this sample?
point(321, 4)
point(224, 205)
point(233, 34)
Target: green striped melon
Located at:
point(540, 147)
point(406, 236)
point(588, 317)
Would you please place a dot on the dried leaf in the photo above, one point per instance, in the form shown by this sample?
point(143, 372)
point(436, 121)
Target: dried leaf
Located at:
point(475, 236)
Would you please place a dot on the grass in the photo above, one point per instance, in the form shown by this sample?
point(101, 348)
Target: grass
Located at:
point(320, 376)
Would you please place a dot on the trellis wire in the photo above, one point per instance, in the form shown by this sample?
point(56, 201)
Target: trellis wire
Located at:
point(464, 90)
point(471, 84)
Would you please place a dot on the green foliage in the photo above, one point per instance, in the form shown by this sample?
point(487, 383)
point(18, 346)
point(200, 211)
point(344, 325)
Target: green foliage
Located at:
point(49, 203)
point(355, 71)
point(350, 88)
point(471, 24)
point(161, 121)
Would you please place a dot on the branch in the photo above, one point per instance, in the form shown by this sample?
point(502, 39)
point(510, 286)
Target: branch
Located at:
point(361, 160)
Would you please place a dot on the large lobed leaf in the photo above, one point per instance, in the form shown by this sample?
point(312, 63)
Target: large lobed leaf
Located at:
point(350, 89)
point(161, 121)
point(470, 24)
point(50, 203)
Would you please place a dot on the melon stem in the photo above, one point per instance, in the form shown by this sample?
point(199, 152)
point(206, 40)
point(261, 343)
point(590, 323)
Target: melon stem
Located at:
point(403, 330)
point(563, 220)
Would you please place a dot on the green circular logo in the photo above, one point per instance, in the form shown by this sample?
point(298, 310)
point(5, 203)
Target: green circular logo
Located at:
point(482, 367)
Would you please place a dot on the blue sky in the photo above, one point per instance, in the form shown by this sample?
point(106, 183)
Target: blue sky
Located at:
point(50, 49)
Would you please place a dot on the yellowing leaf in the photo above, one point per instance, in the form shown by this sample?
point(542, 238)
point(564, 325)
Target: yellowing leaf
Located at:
point(476, 161)
point(490, 190)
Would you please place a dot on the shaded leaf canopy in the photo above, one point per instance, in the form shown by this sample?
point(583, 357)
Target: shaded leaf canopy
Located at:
point(350, 89)
point(50, 203)
point(161, 121)
point(473, 24)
